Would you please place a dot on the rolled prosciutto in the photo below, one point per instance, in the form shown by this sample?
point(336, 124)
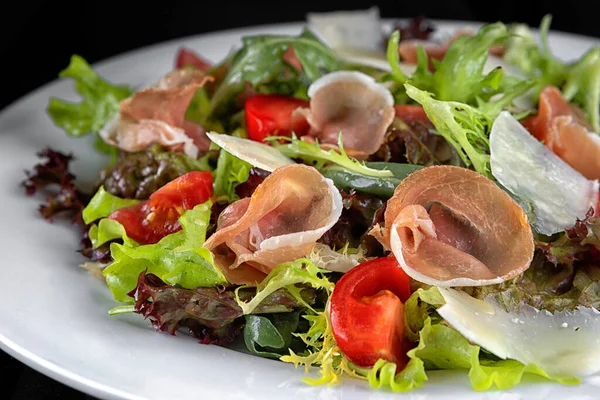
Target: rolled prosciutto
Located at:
point(157, 115)
point(282, 221)
point(353, 104)
point(451, 226)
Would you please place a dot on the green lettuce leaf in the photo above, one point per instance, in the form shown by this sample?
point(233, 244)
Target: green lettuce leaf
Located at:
point(177, 259)
point(103, 204)
point(260, 61)
point(99, 101)
point(230, 172)
point(108, 230)
point(441, 347)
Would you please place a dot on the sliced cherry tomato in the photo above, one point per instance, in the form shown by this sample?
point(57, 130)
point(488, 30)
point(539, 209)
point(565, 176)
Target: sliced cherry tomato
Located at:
point(151, 220)
point(272, 114)
point(187, 57)
point(367, 312)
point(412, 113)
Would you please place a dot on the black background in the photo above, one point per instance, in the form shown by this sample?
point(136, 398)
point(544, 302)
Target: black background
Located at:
point(38, 38)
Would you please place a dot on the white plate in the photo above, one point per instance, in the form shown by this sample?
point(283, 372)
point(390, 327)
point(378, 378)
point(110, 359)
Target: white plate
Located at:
point(53, 314)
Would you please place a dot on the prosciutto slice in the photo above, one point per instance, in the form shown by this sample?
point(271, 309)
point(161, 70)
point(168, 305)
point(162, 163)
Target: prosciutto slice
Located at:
point(353, 104)
point(282, 221)
point(564, 129)
point(450, 226)
point(157, 115)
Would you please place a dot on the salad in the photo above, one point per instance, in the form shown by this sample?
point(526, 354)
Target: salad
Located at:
point(408, 203)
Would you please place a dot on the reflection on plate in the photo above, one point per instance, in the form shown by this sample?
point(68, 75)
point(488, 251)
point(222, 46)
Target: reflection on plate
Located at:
point(54, 314)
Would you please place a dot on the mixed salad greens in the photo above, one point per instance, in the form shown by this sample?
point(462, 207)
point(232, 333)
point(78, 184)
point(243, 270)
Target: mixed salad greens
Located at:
point(437, 210)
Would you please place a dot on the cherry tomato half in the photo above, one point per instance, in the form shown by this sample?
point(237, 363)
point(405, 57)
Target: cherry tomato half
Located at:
point(273, 115)
point(367, 312)
point(151, 220)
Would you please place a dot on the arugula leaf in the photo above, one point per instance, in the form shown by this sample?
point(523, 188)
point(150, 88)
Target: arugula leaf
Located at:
point(582, 85)
point(315, 155)
point(100, 101)
point(579, 80)
point(177, 259)
point(459, 76)
point(259, 61)
point(103, 204)
point(230, 172)
point(393, 57)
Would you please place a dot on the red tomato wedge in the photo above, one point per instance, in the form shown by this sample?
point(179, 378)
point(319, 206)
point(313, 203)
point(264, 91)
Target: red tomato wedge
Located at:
point(367, 312)
point(273, 115)
point(151, 220)
point(186, 57)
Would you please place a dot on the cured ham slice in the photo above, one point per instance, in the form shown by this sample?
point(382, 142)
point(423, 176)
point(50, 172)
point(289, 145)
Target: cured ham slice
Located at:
point(282, 221)
point(564, 129)
point(353, 104)
point(450, 226)
point(157, 115)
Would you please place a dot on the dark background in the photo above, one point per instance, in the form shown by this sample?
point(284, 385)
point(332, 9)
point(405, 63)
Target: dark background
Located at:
point(38, 38)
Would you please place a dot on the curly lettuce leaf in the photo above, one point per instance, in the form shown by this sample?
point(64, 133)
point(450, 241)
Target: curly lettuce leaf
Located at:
point(103, 204)
point(177, 259)
point(313, 154)
point(287, 275)
point(99, 101)
point(322, 352)
point(466, 128)
point(260, 61)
